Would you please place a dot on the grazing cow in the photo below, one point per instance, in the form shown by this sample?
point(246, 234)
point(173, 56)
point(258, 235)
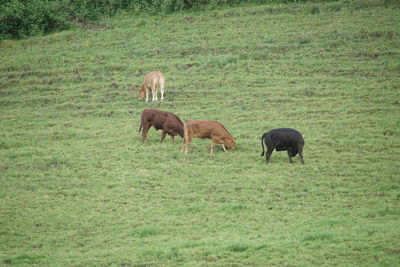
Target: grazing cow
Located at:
point(168, 122)
point(207, 129)
point(283, 139)
point(152, 80)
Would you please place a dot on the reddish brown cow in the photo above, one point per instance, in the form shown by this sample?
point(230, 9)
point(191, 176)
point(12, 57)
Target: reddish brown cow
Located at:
point(168, 122)
point(207, 129)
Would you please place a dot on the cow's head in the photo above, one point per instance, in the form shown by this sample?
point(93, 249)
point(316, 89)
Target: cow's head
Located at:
point(180, 132)
point(141, 93)
point(230, 143)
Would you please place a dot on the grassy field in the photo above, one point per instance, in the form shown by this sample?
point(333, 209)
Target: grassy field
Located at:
point(79, 188)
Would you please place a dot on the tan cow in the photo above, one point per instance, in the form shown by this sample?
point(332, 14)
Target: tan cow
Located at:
point(152, 81)
point(207, 129)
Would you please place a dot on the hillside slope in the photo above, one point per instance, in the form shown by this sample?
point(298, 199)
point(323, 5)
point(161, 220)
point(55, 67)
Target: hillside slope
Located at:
point(80, 188)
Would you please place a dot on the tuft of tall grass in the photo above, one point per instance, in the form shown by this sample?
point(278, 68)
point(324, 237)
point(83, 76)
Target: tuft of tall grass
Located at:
point(238, 247)
point(318, 237)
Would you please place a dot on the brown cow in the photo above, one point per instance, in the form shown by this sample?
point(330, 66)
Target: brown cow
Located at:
point(207, 129)
point(152, 80)
point(168, 122)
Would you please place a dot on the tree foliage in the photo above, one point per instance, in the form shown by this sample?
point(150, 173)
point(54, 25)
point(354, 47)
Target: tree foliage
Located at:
point(21, 18)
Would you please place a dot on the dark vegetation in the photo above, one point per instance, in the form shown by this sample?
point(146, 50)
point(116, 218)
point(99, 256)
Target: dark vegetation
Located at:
point(22, 18)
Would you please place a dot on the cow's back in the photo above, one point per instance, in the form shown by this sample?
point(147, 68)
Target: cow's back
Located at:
point(205, 128)
point(196, 128)
point(162, 119)
point(283, 138)
point(154, 78)
point(154, 117)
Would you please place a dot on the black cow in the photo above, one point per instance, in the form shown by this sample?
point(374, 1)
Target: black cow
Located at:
point(283, 139)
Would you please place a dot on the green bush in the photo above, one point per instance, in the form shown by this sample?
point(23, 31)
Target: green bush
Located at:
point(21, 18)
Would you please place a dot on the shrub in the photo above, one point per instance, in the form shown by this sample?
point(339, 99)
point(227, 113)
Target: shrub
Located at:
point(21, 18)
point(238, 247)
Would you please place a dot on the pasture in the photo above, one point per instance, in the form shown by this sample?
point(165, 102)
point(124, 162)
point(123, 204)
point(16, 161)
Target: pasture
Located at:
point(79, 188)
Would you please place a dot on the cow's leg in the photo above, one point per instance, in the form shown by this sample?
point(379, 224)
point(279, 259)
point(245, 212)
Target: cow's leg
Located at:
point(301, 155)
point(213, 143)
point(145, 129)
point(185, 146)
point(154, 92)
point(186, 140)
point(173, 137)
point(289, 155)
point(164, 133)
point(147, 95)
point(187, 143)
point(224, 147)
point(268, 155)
point(162, 83)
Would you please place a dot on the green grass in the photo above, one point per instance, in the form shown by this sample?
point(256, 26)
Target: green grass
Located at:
point(79, 188)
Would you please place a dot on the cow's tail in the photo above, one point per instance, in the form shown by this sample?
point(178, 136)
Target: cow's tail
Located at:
point(262, 144)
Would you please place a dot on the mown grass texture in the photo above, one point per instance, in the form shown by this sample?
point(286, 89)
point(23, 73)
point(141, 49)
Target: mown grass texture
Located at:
point(80, 188)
